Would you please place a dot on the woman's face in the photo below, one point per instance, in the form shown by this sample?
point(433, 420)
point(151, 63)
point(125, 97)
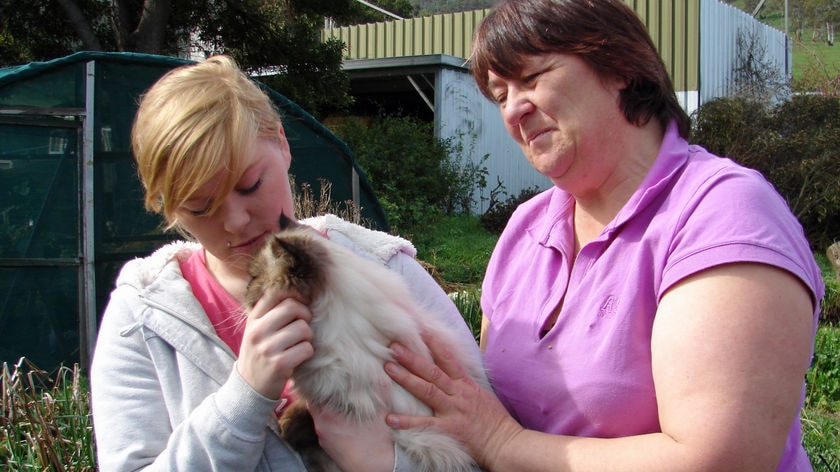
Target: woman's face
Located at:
point(561, 112)
point(250, 212)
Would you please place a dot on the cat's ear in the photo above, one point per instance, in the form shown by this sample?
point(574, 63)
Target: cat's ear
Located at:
point(285, 222)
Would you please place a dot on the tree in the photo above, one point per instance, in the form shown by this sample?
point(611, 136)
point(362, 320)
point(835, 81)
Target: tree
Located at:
point(821, 16)
point(278, 36)
point(36, 30)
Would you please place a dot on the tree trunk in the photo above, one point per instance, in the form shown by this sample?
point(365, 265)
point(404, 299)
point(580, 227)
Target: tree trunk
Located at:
point(149, 35)
point(80, 25)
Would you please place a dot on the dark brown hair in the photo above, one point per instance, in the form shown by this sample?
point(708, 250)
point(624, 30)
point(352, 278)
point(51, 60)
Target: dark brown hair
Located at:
point(607, 34)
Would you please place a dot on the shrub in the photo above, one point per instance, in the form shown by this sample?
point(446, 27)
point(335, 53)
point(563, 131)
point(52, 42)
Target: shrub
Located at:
point(728, 127)
point(498, 213)
point(795, 144)
point(416, 176)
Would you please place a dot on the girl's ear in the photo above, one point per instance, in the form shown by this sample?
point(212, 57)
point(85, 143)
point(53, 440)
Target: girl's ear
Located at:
point(284, 146)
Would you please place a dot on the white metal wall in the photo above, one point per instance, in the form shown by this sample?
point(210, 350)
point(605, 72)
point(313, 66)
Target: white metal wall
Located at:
point(720, 26)
point(462, 111)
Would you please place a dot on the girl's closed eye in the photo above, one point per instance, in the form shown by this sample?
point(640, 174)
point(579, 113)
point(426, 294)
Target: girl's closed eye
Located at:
point(196, 209)
point(201, 212)
point(253, 188)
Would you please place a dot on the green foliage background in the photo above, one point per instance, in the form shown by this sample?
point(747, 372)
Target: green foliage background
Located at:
point(417, 177)
point(795, 144)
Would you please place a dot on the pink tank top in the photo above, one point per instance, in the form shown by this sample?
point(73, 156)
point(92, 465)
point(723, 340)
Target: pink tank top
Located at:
point(223, 311)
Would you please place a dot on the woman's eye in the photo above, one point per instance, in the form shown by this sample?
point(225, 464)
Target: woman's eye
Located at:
point(529, 79)
point(498, 94)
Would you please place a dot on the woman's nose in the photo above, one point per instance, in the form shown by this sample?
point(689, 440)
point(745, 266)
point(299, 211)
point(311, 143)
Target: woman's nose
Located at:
point(517, 106)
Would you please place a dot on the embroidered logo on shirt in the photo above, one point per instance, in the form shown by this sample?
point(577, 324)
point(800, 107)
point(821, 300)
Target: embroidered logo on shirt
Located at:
point(609, 307)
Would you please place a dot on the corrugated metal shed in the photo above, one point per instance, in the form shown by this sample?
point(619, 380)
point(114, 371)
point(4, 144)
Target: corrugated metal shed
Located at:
point(449, 34)
point(673, 24)
point(697, 39)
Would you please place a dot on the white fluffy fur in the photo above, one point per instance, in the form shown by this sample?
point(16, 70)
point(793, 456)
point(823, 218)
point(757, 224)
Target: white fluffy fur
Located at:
point(361, 309)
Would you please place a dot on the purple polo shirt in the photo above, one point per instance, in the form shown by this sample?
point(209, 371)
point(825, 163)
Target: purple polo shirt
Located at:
point(590, 375)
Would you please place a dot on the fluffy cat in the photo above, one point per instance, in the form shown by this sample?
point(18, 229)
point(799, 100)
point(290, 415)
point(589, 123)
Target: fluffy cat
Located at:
point(359, 307)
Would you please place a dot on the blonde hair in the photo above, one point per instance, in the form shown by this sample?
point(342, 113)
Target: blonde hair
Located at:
point(195, 121)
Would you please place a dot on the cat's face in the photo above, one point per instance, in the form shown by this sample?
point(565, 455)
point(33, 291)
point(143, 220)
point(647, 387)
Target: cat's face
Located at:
point(294, 259)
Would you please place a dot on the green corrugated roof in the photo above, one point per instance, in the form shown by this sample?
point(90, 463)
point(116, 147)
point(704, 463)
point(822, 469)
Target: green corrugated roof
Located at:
point(20, 72)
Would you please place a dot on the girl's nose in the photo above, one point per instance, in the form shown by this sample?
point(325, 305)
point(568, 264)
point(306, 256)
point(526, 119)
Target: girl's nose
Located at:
point(235, 215)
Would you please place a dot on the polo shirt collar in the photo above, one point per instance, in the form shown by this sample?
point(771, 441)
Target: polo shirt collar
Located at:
point(555, 228)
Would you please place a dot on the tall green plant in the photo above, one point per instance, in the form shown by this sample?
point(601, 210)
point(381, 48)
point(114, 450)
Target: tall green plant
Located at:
point(821, 415)
point(46, 422)
point(468, 302)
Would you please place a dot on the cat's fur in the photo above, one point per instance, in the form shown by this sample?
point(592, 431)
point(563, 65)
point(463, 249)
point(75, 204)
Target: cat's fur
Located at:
point(359, 307)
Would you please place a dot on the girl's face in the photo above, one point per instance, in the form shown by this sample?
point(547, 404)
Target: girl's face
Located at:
point(249, 213)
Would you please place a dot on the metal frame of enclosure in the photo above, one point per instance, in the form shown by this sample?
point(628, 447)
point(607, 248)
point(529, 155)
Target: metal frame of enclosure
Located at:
point(71, 205)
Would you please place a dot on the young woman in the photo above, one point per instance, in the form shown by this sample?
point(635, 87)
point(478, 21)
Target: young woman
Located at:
point(182, 378)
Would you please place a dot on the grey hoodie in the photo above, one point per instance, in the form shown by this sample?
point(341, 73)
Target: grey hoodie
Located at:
point(165, 395)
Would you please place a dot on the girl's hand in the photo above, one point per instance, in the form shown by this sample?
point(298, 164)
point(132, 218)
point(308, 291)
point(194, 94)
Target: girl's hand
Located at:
point(277, 338)
point(463, 409)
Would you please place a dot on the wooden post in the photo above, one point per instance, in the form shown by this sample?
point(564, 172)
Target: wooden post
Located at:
point(833, 254)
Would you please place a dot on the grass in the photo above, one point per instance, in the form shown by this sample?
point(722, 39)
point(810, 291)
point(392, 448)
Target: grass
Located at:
point(458, 248)
point(46, 424)
point(812, 56)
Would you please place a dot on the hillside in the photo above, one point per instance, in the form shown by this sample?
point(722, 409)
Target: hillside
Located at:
point(426, 7)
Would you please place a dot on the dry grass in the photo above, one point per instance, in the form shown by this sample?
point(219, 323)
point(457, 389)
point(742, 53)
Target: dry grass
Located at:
point(46, 422)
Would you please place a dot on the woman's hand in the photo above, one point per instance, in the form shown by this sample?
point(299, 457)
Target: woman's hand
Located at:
point(462, 408)
point(355, 446)
point(277, 338)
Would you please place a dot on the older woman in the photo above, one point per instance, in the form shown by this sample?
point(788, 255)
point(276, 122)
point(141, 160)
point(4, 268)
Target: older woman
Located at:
point(656, 308)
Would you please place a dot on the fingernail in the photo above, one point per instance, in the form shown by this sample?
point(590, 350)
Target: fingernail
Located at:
point(392, 421)
point(390, 367)
point(397, 350)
